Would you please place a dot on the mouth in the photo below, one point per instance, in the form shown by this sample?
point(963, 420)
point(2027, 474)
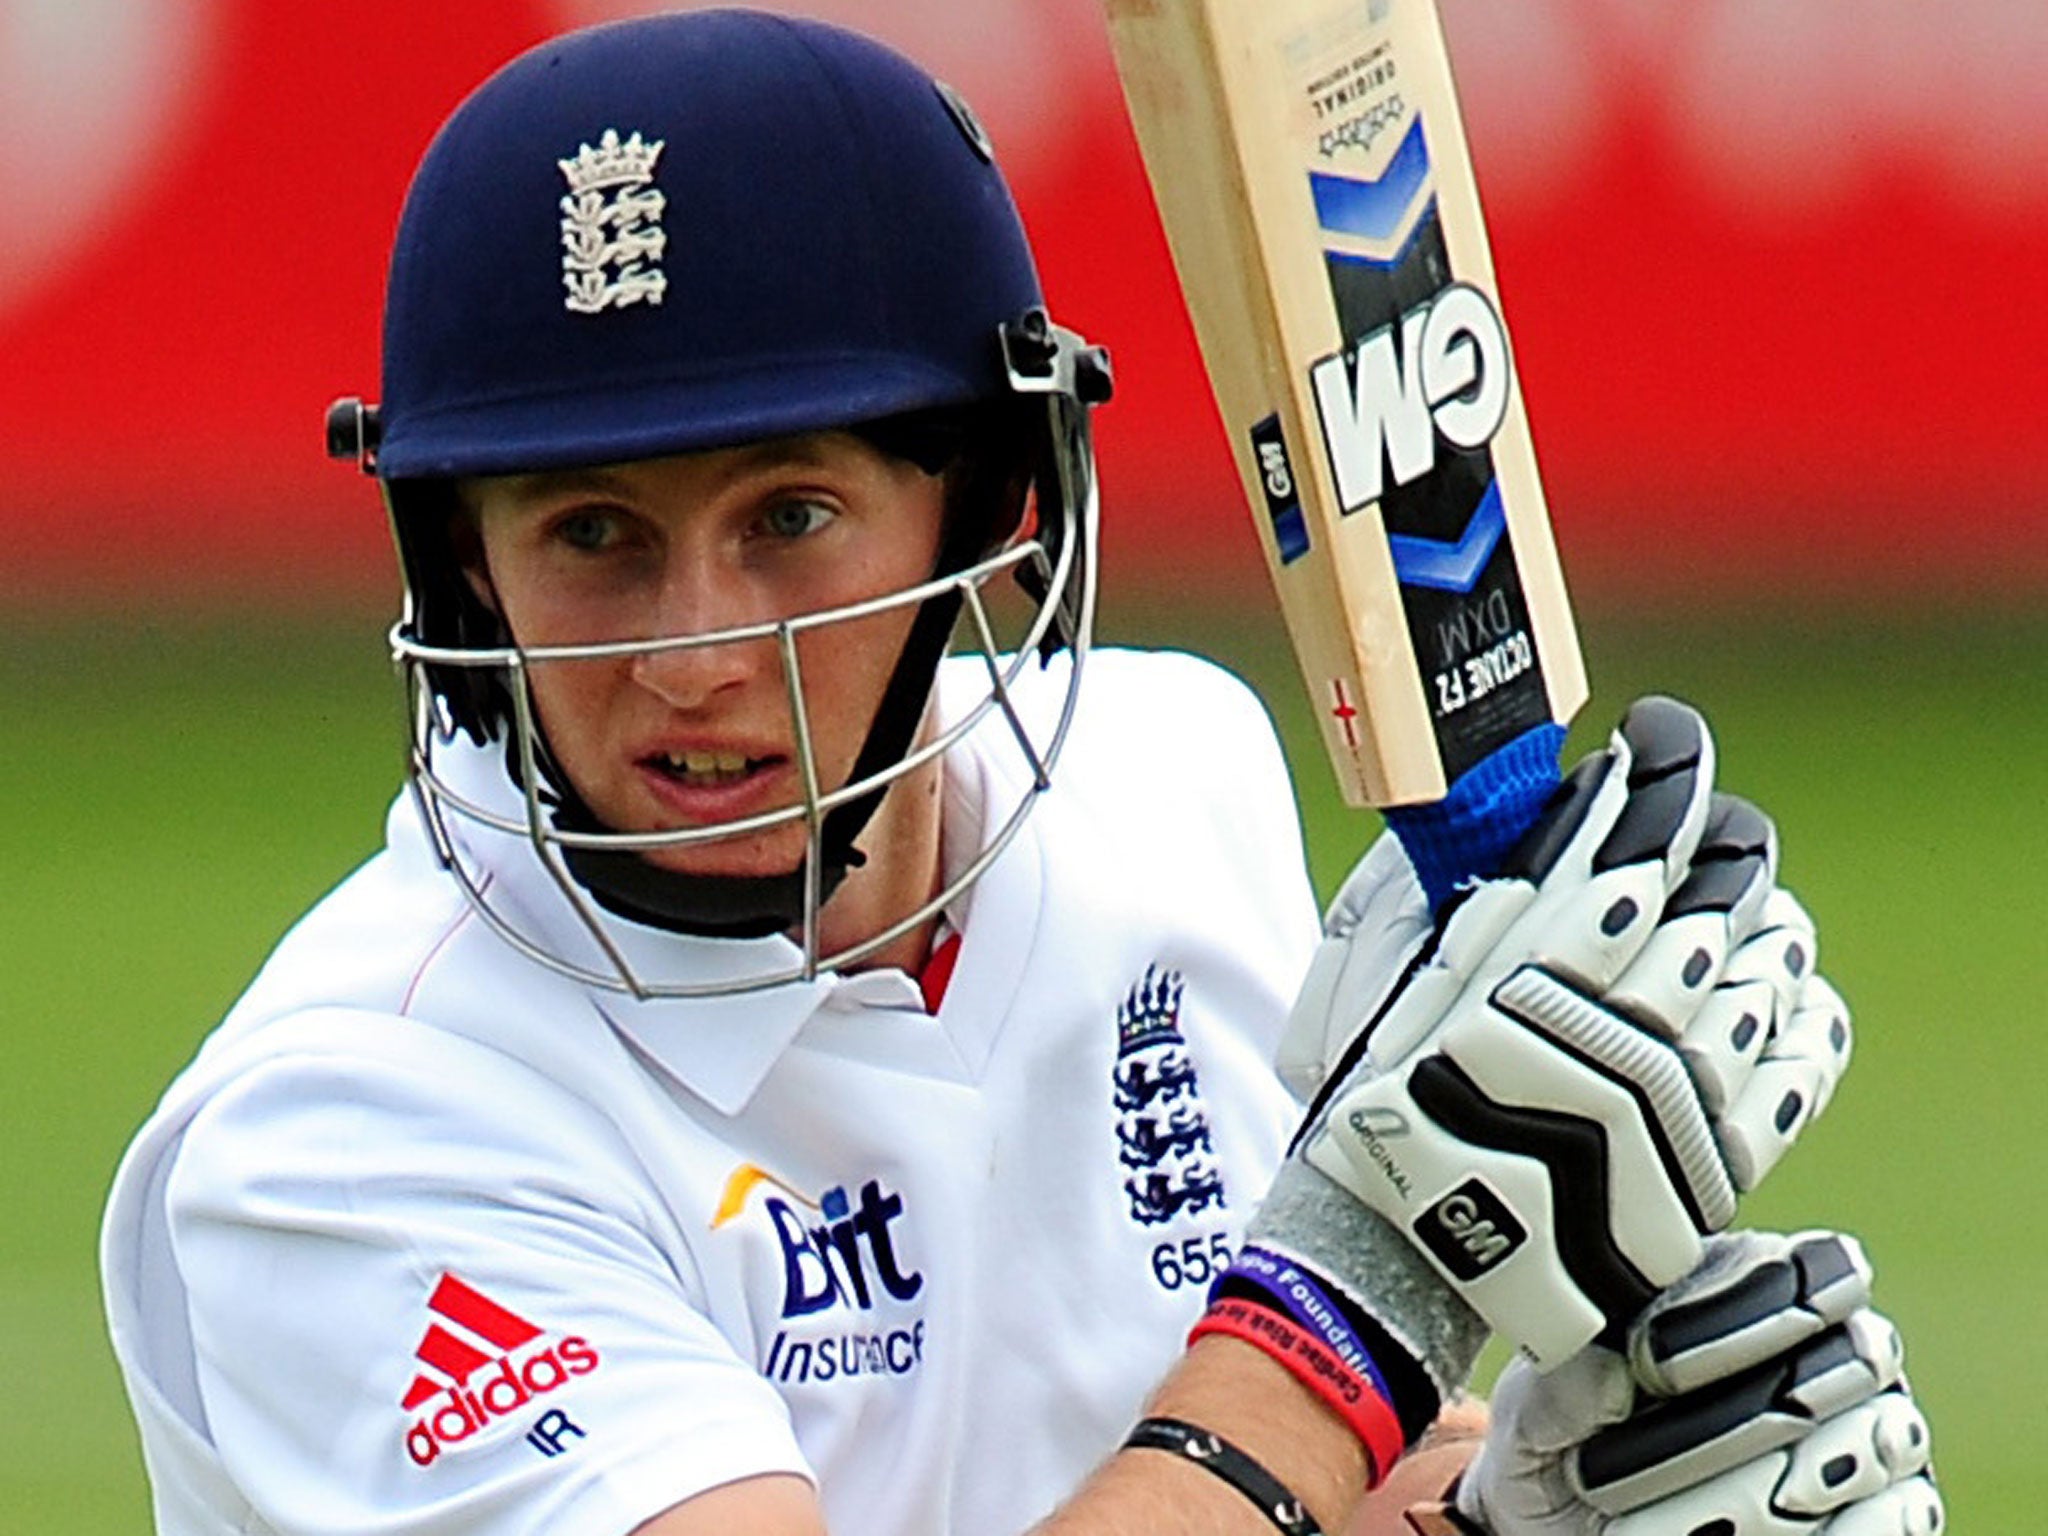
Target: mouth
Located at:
point(707, 770)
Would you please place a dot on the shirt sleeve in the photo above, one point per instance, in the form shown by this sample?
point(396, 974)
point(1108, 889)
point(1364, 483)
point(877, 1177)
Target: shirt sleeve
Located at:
point(430, 1294)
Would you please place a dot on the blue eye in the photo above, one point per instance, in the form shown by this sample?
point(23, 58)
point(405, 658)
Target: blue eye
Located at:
point(795, 518)
point(587, 530)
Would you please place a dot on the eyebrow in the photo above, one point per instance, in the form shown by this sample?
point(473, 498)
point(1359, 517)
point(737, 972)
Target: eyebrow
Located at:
point(549, 484)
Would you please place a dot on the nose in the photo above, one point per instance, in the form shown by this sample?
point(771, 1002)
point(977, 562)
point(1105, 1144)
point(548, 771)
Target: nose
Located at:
point(699, 601)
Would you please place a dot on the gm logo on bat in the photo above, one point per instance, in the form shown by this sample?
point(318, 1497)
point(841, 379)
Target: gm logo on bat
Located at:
point(1385, 403)
point(1471, 1230)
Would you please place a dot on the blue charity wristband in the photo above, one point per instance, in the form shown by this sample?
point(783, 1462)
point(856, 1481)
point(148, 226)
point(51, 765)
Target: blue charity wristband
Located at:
point(1297, 1293)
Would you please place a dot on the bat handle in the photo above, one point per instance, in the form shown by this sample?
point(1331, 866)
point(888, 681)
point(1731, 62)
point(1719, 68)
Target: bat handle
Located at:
point(1468, 834)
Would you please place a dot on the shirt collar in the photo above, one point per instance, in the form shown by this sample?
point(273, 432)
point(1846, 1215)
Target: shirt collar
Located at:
point(987, 777)
point(721, 1048)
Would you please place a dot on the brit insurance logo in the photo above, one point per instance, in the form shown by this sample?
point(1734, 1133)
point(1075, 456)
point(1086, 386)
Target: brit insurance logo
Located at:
point(849, 1289)
point(483, 1365)
point(1162, 1127)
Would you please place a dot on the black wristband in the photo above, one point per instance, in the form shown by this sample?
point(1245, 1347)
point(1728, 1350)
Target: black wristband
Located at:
point(1216, 1454)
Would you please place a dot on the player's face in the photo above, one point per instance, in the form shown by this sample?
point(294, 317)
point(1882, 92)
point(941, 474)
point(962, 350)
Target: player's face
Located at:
point(693, 545)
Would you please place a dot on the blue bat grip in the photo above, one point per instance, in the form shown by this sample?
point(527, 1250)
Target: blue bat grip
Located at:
point(1467, 834)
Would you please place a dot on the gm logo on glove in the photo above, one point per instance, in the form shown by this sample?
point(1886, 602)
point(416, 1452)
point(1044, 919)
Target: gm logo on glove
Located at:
point(1470, 1230)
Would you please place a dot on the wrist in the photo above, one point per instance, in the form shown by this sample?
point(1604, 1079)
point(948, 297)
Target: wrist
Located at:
point(1369, 1266)
point(1353, 1394)
point(1242, 1393)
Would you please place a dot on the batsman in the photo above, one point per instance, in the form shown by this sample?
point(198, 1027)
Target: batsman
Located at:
point(826, 1048)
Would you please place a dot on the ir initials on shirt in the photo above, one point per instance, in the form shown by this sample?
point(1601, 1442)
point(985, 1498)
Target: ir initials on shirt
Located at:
point(550, 1430)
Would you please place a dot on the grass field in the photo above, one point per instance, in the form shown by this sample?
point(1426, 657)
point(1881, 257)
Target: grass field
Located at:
point(176, 794)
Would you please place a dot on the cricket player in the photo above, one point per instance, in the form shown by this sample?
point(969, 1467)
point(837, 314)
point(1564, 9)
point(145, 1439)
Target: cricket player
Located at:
point(780, 1076)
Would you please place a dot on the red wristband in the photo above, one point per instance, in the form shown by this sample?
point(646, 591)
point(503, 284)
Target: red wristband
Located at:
point(1356, 1402)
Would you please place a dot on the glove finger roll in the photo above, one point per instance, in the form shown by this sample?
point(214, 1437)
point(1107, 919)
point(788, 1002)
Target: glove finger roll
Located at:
point(1756, 1296)
point(1671, 775)
point(1670, 772)
point(1855, 1456)
point(1690, 1440)
point(1724, 1042)
point(1913, 1508)
point(1663, 986)
point(1612, 848)
point(1783, 950)
point(1820, 1032)
point(1791, 1084)
point(1735, 866)
point(1782, 1096)
point(1718, 904)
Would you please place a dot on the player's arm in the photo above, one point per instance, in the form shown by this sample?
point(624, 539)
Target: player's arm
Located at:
point(1221, 1388)
point(1241, 1395)
point(1243, 1398)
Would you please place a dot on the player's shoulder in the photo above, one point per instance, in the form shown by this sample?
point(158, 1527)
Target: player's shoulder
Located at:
point(371, 1133)
point(1176, 684)
point(1136, 703)
point(342, 1098)
point(1173, 762)
point(363, 944)
point(1135, 709)
point(1174, 725)
point(389, 1021)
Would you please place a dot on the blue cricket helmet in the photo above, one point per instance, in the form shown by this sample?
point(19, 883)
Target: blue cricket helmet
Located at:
point(829, 242)
point(696, 231)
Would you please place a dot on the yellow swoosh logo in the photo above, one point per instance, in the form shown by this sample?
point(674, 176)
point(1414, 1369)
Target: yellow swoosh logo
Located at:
point(742, 1183)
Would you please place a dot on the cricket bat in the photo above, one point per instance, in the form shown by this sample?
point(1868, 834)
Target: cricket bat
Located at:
point(1311, 171)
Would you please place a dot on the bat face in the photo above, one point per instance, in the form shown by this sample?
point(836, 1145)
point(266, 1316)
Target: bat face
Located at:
point(1312, 174)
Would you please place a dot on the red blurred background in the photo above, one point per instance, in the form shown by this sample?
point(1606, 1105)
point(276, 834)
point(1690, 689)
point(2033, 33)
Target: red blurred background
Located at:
point(1773, 269)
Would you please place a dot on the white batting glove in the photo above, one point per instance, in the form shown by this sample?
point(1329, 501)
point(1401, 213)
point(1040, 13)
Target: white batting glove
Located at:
point(1563, 1084)
point(1760, 1396)
point(1375, 926)
point(1766, 1045)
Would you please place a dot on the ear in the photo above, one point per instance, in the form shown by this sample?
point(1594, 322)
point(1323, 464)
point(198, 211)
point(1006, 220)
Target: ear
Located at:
point(988, 508)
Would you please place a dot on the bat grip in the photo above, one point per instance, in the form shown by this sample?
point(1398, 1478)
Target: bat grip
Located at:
point(1467, 835)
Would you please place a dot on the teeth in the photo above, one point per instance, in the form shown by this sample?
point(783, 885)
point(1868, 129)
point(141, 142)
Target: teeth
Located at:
point(707, 767)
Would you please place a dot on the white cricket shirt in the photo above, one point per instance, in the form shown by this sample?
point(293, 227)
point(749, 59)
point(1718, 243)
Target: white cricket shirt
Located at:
point(430, 1239)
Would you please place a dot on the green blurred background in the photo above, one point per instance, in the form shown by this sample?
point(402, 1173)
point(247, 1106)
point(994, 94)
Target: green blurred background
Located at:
point(179, 791)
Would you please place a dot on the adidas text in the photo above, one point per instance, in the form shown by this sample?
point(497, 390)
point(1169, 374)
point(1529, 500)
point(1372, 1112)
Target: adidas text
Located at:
point(465, 1410)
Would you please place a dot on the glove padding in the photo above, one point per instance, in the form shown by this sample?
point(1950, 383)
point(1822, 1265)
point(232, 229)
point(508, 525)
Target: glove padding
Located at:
point(1565, 1080)
point(1760, 1396)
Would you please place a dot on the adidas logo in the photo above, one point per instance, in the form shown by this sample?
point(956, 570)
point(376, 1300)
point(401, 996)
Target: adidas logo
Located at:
point(483, 1362)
